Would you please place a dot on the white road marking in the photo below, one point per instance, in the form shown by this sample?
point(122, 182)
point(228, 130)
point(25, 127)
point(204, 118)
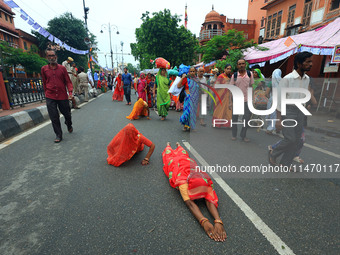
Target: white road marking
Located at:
point(32, 130)
point(278, 244)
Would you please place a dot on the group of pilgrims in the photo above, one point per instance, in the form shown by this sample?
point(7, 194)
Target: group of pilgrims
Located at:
point(180, 90)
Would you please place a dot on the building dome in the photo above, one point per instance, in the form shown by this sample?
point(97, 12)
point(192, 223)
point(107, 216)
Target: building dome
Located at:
point(212, 16)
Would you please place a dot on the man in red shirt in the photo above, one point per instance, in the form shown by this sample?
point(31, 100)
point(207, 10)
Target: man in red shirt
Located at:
point(58, 90)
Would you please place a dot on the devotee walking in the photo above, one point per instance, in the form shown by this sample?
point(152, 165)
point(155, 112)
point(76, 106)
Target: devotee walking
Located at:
point(223, 111)
point(243, 79)
point(67, 65)
point(127, 81)
point(58, 90)
point(163, 97)
point(291, 142)
point(83, 82)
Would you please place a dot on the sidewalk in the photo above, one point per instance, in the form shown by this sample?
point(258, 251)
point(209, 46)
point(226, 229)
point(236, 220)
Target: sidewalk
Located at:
point(19, 119)
point(15, 121)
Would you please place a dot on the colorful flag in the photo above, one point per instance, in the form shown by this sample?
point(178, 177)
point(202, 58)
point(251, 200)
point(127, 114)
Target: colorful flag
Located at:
point(289, 41)
point(11, 4)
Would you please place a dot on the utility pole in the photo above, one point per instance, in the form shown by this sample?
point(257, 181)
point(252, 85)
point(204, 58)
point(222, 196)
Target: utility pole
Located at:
point(122, 43)
point(86, 10)
point(108, 27)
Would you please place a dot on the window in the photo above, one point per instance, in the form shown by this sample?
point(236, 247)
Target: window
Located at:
point(291, 14)
point(274, 25)
point(215, 26)
point(25, 45)
point(278, 23)
point(263, 21)
point(307, 10)
point(209, 26)
point(0, 15)
point(10, 19)
point(268, 26)
point(272, 30)
point(6, 17)
point(334, 5)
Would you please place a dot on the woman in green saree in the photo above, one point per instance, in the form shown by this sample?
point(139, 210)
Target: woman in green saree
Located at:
point(163, 97)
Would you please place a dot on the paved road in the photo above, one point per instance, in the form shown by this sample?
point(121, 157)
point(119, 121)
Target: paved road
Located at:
point(65, 199)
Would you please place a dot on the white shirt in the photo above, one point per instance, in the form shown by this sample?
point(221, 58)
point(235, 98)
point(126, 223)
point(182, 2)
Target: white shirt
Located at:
point(292, 80)
point(203, 80)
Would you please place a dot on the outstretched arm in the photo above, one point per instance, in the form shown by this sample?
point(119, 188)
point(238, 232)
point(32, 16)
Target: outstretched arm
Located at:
point(219, 228)
point(208, 227)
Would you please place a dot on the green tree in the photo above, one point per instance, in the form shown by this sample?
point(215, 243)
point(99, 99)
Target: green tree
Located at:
point(13, 57)
point(232, 58)
point(71, 31)
point(161, 36)
point(222, 45)
point(133, 69)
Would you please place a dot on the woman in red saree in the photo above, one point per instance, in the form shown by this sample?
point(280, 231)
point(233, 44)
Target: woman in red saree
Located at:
point(127, 143)
point(140, 108)
point(223, 111)
point(118, 93)
point(193, 184)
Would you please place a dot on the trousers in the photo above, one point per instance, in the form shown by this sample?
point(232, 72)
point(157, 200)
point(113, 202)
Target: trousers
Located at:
point(52, 108)
point(246, 118)
point(291, 141)
point(127, 92)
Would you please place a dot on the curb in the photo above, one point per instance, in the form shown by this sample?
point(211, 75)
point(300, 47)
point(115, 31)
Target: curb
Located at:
point(18, 122)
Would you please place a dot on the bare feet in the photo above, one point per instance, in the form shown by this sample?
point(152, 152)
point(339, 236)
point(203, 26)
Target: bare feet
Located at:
point(178, 144)
point(220, 232)
point(168, 144)
point(210, 231)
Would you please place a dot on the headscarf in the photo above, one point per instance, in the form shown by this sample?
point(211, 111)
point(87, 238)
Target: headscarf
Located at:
point(123, 146)
point(276, 78)
point(257, 81)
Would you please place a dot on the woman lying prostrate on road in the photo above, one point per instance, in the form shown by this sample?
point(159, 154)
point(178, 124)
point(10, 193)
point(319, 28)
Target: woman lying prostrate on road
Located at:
point(193, 184)
point(127, 143)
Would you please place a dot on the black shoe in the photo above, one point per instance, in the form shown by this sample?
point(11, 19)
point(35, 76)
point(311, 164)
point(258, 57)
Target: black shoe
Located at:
point(70, 129)
point(58, 139)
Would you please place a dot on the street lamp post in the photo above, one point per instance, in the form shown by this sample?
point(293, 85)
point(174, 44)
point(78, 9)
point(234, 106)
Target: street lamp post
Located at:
point(122, 43)
point(108, 27)
point(86, 10)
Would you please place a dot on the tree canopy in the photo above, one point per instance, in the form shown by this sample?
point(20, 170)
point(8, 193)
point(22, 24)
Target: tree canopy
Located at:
point(161, 36)
point(71, 31)
point(220, 45)
point(133, 69)
point(30, 60)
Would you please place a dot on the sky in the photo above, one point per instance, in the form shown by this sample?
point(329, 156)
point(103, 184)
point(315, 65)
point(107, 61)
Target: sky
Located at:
point(126, 16)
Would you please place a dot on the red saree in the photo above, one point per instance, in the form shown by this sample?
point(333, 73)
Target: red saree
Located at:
point(181, 169)
point(222, 111)
point(125, 144)
point(118, 93)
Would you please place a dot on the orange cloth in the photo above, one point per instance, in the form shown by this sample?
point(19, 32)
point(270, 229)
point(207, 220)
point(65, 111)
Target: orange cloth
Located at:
point(183, 189)
point(139, 109)
point(125, 144)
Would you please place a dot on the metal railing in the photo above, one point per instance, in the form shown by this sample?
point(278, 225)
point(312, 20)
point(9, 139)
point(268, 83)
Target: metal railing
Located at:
point(209, 34)
point(23, 91)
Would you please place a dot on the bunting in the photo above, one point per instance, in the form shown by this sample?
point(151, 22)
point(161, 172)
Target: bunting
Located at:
point(42, 31)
